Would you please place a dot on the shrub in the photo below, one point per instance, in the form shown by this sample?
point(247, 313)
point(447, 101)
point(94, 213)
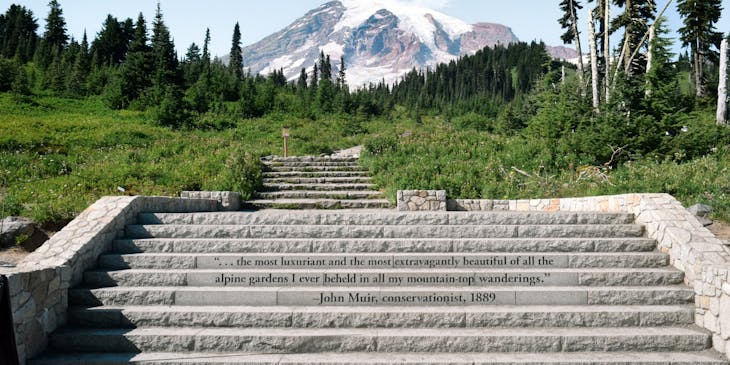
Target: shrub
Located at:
point(243, 173)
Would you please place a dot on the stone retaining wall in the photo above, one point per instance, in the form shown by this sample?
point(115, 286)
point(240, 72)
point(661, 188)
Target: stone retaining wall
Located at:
point(228, 200)
point(421, 200)
point(691, 247)
point(39, 284)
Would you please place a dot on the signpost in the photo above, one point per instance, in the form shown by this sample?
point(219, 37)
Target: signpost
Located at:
point(285, 134)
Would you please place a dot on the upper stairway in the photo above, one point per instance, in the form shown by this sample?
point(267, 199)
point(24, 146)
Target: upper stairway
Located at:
point(382, 287)
point(317, 183)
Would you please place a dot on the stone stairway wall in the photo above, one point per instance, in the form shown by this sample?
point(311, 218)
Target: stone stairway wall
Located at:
point(382, 287)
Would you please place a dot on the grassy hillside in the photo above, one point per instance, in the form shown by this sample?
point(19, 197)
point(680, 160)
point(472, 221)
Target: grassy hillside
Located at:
point(58, 155)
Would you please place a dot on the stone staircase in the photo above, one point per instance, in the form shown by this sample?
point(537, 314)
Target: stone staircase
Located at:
point(317, 183)
point(382, 287)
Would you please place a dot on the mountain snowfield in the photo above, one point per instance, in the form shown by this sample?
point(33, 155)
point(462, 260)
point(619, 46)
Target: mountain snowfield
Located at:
point(378, 39)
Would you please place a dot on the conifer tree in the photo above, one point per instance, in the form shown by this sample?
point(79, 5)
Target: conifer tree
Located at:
point(136, 71)
point(635, 20)
point(81, 68)
point(341, 81)
point(236, 60)
point(112, 42)
point(699, 18)
point(164, 58)
point(302, 81)
point(55, 35)
point(18, 36)
point(206, 54)
point(569, 21)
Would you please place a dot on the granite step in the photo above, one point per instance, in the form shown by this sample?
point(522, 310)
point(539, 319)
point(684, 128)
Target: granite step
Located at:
point(377, 296)
point(319, 187)
point(382, 317)
point(383, 217)
point(382, 260)
point(313, 174)
point(320, 203)
point(312, 163)
point(365, 278)
point(320, 194)
point(311, 159)
point(390, 231)
point(321, 180)
point(393, 358)
point(383, 245)
point(317, 168)
point(313, 340)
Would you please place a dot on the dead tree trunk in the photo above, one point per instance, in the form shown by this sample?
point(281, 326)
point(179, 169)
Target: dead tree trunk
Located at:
point(649, 59)
point(722, 85)
point(594, 61)
point(607, 47)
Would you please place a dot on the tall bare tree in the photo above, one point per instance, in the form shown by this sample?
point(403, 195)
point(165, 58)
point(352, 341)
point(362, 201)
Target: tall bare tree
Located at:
point(722, 86)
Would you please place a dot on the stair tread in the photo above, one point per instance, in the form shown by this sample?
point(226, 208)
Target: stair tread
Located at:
point(418, 332)
point(395, 309)
point(395, 289)
point(367, 358)
point(273, 270)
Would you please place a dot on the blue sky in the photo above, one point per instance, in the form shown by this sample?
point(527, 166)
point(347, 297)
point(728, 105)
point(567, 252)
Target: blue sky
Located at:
point(187, 19)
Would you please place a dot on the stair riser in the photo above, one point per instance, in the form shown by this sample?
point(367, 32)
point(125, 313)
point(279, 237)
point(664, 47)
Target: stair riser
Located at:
point(320, 261)
point(311, 159)
point(443, 319)
point(314, 174)
point(382, 245)
point(317, 168)
point(320, 204)
point(312, 163)
point(374, 297)
point(497, 231)
point(370, 343)
point(323, 180)
point(372, 279)
point(318, 187)
point(294, 194)
point(562, 358)
point(381, 218)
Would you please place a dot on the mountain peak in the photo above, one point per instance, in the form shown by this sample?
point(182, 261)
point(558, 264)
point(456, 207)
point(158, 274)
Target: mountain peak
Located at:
point(379, 40)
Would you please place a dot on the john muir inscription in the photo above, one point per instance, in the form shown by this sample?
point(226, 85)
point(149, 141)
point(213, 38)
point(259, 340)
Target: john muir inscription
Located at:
point(383, 261)
point(387, 271)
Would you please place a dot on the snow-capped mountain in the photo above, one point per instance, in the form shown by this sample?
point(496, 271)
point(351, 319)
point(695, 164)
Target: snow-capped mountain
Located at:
point(379, 39)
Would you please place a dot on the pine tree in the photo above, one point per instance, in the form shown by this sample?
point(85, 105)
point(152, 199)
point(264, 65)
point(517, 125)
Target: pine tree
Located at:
point(20, 85)
point(341, 81)
point(111, 43)
point(698, 32)
point(18, 36)
point(236, 56)
point(164, 59)
point(206, 54)
point(302, 81)
point(635, 20)
point(569, 21)
point(55, 36)
point(136, 72)
point(81, 68)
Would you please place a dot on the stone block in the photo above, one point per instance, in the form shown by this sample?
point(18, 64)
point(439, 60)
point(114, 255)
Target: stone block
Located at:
point(724, 316)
